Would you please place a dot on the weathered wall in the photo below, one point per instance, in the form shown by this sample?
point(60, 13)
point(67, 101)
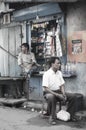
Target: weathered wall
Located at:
point(76, 17)
point(76, 21)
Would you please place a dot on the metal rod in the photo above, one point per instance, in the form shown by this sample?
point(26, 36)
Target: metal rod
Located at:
point(8, 52)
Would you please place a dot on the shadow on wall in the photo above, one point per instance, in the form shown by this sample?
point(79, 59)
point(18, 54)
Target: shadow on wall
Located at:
point(78, 84)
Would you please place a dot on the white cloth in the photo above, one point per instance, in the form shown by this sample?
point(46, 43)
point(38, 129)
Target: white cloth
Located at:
point(50, 47)
point(58, 43)
point(26, 60)
point(53, 80)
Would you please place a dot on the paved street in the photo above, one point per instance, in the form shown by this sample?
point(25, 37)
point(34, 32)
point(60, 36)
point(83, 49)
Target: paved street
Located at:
point(17, 119)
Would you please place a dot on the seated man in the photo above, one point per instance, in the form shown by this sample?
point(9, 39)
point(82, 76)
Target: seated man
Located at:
point(53, 88)
point(27, 61)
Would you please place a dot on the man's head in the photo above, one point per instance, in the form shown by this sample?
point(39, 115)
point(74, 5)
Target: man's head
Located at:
point(25, 47)
point(55, 63)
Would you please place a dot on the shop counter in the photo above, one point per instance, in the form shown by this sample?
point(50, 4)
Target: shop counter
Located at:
point(13, 86)
point(35, 87)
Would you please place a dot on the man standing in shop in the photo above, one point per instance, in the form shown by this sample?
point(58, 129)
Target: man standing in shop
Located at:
point(27, 61)
point(53, 87)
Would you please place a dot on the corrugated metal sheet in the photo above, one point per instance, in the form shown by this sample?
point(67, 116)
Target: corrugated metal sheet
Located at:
point(40, 10)
point(10, 40)
point(2, 55)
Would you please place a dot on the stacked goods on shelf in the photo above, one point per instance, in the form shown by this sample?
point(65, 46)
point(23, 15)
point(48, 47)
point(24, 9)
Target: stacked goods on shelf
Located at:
point(45, 41)
point(37, 42)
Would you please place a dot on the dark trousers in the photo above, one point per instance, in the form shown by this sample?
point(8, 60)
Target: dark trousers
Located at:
point(26, 88)
point(52, 100)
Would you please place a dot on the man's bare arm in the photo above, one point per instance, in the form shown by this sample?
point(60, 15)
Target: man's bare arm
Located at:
point(63, 91)
point(54, 93)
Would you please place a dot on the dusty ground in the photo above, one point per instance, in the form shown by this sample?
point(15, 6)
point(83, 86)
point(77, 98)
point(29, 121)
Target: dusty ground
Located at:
point(17, 119)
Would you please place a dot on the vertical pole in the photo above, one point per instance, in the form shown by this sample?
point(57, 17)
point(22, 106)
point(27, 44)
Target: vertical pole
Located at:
point(64, 33)
point(28, 40)
point(28, 34)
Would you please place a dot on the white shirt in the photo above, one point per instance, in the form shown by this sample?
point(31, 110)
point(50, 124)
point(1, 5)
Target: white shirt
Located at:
point(26, 60)
point(53, 80)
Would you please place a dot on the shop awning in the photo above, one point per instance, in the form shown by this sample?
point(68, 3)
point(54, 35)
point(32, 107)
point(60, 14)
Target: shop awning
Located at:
point(9, 1)
point(41, 10)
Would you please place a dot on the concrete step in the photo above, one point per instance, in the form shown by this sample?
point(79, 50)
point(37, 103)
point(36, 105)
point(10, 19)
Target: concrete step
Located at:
point(12, 102)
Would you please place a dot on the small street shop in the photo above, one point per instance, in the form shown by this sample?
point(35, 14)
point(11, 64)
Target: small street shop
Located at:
point(44, 27)
point(44, 23)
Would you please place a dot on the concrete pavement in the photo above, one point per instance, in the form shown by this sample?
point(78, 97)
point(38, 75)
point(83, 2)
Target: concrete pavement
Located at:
point(20, 119)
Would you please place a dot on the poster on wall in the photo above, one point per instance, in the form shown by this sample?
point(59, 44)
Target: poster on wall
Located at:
point(77, 46)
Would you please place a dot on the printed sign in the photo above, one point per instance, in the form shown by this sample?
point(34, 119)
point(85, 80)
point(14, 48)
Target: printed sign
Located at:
point(77, 46)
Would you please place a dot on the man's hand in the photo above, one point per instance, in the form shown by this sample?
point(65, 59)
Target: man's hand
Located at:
point(65, 97)
point(60, 96)
point(38, 65)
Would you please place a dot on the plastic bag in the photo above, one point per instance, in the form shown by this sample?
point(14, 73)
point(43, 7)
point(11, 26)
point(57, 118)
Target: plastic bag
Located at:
point(63, 115)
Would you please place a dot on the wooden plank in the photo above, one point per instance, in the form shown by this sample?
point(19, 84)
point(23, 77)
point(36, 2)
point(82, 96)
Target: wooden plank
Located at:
point(12, 78)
